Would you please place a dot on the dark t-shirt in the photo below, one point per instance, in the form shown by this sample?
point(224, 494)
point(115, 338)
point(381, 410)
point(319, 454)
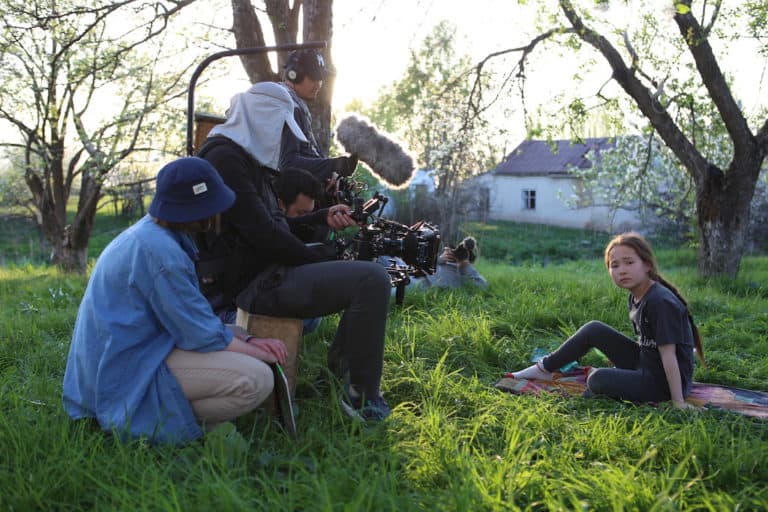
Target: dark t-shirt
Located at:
point(661, 319)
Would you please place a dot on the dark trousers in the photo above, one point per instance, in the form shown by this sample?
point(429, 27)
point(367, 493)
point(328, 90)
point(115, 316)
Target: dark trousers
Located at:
point(358, 289)
point(626, 381)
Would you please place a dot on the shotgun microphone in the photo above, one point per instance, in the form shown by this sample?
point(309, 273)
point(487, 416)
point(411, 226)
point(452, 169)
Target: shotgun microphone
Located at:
point(384, 156)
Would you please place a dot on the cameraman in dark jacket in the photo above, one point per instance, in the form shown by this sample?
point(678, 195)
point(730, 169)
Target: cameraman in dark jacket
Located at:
point(256, 262)
point(303, 78)
point(304, 74)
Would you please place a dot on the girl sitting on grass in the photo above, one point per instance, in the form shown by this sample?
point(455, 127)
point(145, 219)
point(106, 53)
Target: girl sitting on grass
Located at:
point(659, 366)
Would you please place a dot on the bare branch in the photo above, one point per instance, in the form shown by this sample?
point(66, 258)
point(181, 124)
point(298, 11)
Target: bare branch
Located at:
point(708, 27)
point(762, 138)
point(714, 81)
point(520, 66)
point(474, 102)
point(644, 99)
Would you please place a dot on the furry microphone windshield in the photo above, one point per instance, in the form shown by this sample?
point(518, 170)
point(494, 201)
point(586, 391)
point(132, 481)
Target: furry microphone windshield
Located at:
point(386, 158)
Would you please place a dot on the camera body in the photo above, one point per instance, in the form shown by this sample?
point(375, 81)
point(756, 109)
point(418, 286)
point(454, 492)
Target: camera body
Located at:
point(416, 245)
point(413, 249)
point(466, 250)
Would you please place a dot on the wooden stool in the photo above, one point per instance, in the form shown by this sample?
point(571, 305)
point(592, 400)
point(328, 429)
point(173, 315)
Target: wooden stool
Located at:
point(287, 330)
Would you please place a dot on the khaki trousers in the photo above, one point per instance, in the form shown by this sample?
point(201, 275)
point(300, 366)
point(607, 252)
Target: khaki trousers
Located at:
point(222, 385)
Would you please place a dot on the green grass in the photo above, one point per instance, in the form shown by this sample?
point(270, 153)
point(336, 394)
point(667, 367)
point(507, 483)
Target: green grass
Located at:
point(540, 244)
point(518, 243)
point(453, 442)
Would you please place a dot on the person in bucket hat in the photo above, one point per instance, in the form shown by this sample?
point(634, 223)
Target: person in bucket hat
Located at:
point(149, 358)
point(189, 190)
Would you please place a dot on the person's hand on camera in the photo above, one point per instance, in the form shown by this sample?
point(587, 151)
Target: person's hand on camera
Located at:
point(339, 217)
point(345, 165)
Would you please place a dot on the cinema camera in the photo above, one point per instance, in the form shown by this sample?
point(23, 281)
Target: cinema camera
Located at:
point(413, 249)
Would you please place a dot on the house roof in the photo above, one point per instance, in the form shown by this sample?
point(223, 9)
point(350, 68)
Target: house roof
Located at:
point(537, 158)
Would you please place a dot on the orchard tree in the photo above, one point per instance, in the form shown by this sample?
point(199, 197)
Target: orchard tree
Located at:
point(426, 109)
point(79, 83)
point(639, 173)
point(675, 81)
point(283, 18)
point(14, 193)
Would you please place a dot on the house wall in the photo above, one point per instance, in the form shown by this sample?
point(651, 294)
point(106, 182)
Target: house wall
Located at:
point(507, 203)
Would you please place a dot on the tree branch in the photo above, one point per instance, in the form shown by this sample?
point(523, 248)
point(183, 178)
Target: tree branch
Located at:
point(762, 138)
point(526, 50)
point(249, 34)
point(714, 81)
point(708, 28)
point(648, 104)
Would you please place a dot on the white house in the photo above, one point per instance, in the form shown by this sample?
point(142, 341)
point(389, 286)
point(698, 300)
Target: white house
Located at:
point(533, 185)
point(422, 182)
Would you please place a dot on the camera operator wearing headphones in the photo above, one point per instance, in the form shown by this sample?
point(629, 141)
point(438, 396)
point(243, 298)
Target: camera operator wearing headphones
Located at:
point(256, 262)
point(305, 71)
point(303, 78)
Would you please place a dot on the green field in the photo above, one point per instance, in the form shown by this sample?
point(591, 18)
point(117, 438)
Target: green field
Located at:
point(21, 242)
point(453, 442)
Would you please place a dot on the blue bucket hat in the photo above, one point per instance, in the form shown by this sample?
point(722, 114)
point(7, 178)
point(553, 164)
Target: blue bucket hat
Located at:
point(189, 189)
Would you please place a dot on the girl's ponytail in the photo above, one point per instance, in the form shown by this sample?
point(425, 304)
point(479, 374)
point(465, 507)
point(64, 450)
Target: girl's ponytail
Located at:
point(696, 336)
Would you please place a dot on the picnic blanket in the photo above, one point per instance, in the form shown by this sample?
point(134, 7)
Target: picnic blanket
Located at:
point(574, 382)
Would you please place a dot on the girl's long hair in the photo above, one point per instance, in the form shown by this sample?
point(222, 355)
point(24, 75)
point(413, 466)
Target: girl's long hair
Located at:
point(643, 249)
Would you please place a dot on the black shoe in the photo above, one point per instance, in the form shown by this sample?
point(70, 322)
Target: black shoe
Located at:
point(369, 410)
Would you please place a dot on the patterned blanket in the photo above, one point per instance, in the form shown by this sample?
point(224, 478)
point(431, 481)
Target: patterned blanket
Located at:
point(574, 382)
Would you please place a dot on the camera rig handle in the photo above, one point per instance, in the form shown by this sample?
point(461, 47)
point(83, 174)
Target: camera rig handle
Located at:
point(373, 207)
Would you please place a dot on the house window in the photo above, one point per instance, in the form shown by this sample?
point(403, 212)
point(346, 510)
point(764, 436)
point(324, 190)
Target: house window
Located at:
point(529, 199)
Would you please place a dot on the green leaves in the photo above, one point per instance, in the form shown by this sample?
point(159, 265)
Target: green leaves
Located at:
point(682, 8)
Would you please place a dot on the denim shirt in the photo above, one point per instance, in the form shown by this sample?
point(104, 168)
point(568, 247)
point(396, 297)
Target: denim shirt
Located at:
point(141, 302)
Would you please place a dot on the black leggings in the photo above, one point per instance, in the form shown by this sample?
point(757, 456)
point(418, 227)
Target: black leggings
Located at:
point(626, 381)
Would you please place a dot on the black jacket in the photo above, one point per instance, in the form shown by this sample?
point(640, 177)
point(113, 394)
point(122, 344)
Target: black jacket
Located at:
point(304, 155)
point(254, 233)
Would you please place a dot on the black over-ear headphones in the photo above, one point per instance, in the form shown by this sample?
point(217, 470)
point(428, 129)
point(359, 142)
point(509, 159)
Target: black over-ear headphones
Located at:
point(293, 69)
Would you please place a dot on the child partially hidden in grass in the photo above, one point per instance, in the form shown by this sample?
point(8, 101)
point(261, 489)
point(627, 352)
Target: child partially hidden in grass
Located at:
point(659, 366)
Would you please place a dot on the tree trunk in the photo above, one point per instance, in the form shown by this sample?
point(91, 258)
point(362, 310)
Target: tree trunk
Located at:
point(69, 242)
point(723, 204)
point(70, 259)
point(720, 249)
point(318, 26)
